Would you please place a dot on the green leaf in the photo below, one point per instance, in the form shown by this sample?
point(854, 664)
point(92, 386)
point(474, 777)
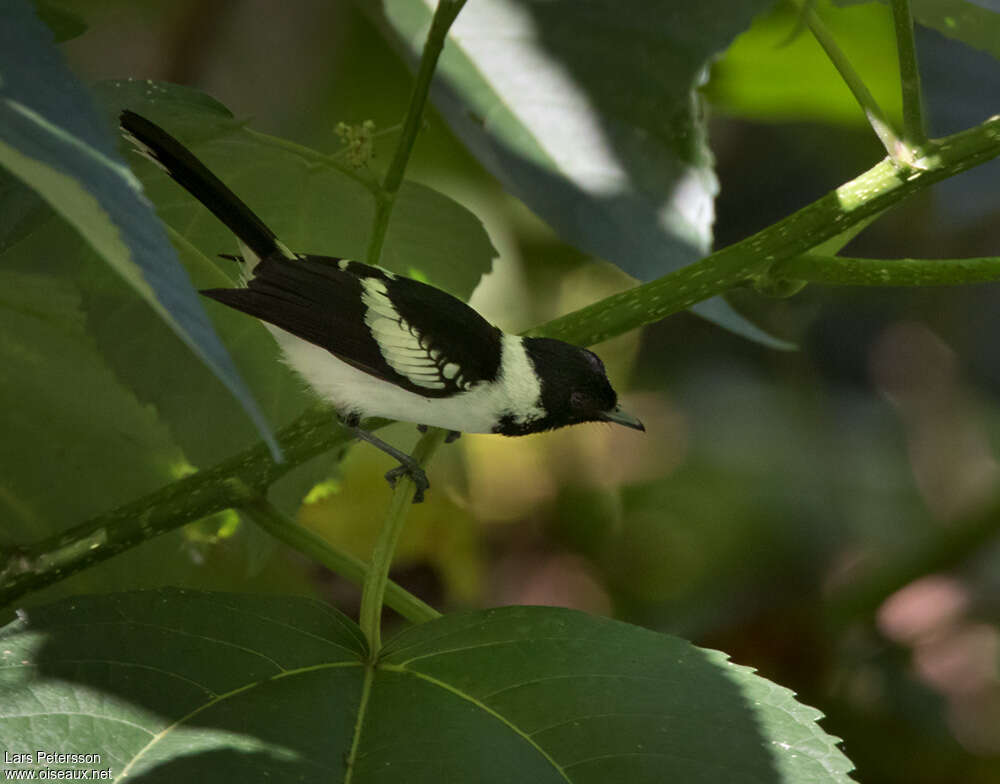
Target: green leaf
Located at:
point(53, 140)
point(766, 76)
point(63, 23)
point(75, 442)
point(22, 211)
point(587, 112)
point(171, 686)
point(974, 23)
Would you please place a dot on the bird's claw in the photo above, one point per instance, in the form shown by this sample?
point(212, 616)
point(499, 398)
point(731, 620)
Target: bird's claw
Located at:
point(417, 476)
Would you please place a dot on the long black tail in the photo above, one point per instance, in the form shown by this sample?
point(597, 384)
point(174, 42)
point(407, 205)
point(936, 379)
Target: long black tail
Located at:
point(170, 155)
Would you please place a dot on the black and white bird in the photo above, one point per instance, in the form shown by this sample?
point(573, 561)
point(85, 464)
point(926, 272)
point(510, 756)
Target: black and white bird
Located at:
point(377, 344)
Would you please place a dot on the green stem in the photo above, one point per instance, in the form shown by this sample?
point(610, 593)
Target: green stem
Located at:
point(313, 157)
point(373, 591)
point(263, 513)
point(876, 117)
point(444, 15)
point(841, 271)
point(383, 210)
point(914, 129)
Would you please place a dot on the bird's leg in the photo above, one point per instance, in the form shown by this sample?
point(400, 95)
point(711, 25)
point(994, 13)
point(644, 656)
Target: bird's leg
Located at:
point(453, 435)
point(407, 465)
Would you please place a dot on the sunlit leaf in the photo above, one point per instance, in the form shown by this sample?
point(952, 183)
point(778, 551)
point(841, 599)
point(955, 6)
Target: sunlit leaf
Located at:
point(766, 76)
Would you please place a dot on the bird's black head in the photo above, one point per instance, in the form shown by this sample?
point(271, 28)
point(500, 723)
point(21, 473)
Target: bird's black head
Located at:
point(574, 389)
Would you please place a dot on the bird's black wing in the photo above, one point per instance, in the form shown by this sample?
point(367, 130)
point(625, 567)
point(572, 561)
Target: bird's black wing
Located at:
point(397, 329)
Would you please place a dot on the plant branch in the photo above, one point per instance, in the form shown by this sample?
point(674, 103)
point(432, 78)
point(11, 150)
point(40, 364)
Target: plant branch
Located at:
point(914, 129)
point(444, 15)
point(876, 117)
point(264, 514)
point(373, 591)
point(841, 271)
point(312, 156)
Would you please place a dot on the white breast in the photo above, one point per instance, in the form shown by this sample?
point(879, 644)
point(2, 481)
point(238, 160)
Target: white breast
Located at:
point(477, 410)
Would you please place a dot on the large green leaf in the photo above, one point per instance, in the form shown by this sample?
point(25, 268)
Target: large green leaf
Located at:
point(174, 686)
point(765, 75)
point(75, 441)
point(586, 110)
point(53, 140)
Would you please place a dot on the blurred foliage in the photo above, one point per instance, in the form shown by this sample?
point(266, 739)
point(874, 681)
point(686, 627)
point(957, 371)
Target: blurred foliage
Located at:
point(777, 71)
point(768, 484)
point(974, 22)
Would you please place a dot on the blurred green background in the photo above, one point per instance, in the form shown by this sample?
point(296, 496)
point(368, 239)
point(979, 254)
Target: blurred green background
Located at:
point(824, 515)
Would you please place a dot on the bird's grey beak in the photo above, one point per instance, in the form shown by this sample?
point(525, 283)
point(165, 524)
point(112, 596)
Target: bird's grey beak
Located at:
point(620, 417)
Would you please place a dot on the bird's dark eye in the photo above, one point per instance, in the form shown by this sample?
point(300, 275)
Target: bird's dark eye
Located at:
point(578, 399)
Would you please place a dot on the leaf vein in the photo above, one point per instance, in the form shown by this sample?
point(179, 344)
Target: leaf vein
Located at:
point(486, 708)
point(580, 675)
point(76, 713)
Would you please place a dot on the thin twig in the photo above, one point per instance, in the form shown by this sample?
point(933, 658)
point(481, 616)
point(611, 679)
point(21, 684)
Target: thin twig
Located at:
point(264, 514)
point(373, 591)
point(876, 117)
point(444, 15)
point(914, 127)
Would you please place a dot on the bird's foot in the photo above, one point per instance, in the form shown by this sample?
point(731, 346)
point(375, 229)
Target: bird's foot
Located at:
point(416, 474)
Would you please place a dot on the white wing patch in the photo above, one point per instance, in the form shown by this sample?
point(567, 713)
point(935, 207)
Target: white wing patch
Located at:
point(402, 346)
point(144, 150)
